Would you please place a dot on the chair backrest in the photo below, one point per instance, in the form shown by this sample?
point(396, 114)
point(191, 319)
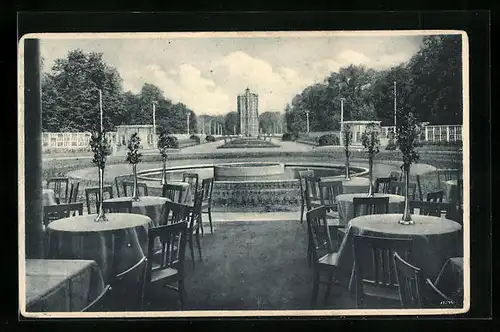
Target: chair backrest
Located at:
point(101, 303)
point(60, 185)
point(94, 191)
point(118, 183)
point(174, 213)
point(196, 210)
point(435, 196)
point(207, 185)
point(128, 287)
point(396, 175)
point(302, 179)
point(370, 205)
point(173, 192)
point(312, 187)
point(447, 174)
point(318, 232)
point(433, 297)
point(409, 280)
point(192, 179)
point(59, 211)
point(432, 208)
point(374, 263)
point(117, 207)
point(383, 185)
point(130, 184)
point(173, 241)
point(328, 191)
point(399, 187)
point(73, 193)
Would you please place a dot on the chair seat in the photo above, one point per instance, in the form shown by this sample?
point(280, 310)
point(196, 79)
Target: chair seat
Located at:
point(381, 292)
point(330, 259)
point(332, 221)
point(162, 274)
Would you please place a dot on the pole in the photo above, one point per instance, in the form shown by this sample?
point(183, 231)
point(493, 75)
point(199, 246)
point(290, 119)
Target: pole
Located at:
point(154, 123)
point(100, 108)
point(188, 115)
point(394, 106)
point(307, 116)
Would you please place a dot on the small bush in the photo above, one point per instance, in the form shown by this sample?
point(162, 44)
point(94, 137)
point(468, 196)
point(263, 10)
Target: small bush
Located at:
point(289, 137)
point(328, 139)
point(210, 138)
point(391, 145)
point(195, 138)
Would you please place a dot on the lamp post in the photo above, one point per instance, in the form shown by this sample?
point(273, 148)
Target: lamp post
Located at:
point(341, 119)
point(188, 115)
point(394, 107)
point(307, 118)
point(154, 123)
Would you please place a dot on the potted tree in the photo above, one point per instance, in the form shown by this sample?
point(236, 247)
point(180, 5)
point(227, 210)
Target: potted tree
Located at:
point(166, 142)
point(346, 141)
point(407, 135)
point(134, 157)
point(101, 150)
point(371, 142)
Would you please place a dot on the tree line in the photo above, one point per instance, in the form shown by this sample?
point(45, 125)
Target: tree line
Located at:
point(429, 85)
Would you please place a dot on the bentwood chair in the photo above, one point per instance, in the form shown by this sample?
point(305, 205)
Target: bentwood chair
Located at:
point(128, 287)
point(60, 185)
point(73, 192)
point(302, 185)
point(434, 298)
point(194, 224)
point(207, 186)
point(370, 205)
point(173, 192)
point(435, 196)
point(130, 185)
point(94, 192)
point(102, 303)
point(192, 179)
point(375, 274)
point(383, 185)
point(175, 212)
point(322, 254)
point(168, 267)
point(117, 207)
point(399, 187)
point(59, 211)
point(409, 280)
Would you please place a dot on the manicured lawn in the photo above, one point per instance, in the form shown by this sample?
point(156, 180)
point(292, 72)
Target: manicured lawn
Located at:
point(247, 143)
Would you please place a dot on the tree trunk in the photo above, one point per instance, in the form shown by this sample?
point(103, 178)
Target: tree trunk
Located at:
point(406, 214)
point(135, 191)
point(370, 174)
point(164, 172)
point(100, 212)
point(347, 172)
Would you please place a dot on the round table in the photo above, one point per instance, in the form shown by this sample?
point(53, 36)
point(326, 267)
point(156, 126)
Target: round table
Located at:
point(151, 206)
point(48, 197)
point(435, 239)
point(346, 208)
point(355, 185)
point(115, 245)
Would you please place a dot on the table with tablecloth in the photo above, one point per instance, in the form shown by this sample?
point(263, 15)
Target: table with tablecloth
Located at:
point(435, 240)
point(187, 192)
point(115, 245)
point(451, 279)
point(345, 205)
point(48, 197)
point(151, 206)
point(61, 285)
point(354, 185)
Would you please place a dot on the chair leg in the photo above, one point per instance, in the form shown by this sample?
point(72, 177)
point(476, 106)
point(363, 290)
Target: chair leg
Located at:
point(201, 224)
point(210, 217)
point(302, 212)
point(191, 247)
point(315, 288)
point(182, 293)
point(198, 242)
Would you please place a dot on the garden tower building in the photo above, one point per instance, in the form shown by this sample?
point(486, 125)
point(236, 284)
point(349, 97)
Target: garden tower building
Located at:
point(248, 113)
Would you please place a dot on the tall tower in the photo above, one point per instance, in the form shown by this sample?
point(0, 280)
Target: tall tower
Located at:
point(248, 113)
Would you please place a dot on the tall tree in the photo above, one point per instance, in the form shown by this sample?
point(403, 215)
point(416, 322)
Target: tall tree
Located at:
point(231, 123)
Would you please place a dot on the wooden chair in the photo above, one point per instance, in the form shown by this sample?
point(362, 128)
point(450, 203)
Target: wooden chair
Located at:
point(383, 185)
point(432, 208)
point(128, 287)
point(435, 196)
point(399, 187)
point(118, 181)
point(192, 179)
point(302, 184)
point(94, 191)
point(313, 199)
point(59, 211)
point(375, 274)
point(370, 205)
point(170, 267)
point(446, 175)
point(329, 190)
point(434, 298)
point(194, 224)
point(102, 303)
point(207, 186)
point(322, 254)
point(173, 192)
point(60, 185)
point(409, 280)
point(73, 192)
point(117, 207)
point(130, 184)
point(175, 212)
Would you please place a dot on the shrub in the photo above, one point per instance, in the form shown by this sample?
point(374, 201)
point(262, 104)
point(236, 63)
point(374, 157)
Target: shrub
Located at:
point(391, 145)
point(195, 138)
point(210, 138)
point(328, 139)
point(289, 137)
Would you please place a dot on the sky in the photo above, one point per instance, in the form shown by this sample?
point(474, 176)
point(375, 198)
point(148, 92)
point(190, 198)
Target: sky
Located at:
point(206, 72)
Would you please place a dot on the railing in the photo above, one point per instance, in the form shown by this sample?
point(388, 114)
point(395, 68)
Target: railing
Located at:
point(68, 141)
point(433, 133)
